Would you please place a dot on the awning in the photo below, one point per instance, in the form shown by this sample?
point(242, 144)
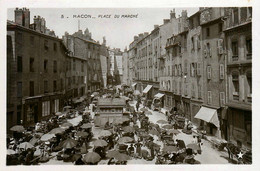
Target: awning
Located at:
point(209, 115)
point(159, 95)
point(147, 88)
point(134, 84)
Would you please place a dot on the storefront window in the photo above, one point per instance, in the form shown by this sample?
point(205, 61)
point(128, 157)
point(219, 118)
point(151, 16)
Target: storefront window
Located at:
point(56, 105)
point(46, 108)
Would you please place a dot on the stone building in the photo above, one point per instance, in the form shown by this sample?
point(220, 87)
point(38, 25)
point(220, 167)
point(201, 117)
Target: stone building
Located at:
point(125, 67)
point(131, 53)
point(104, 58)
point(81, 45)
point(35, 70)
point(238, 43)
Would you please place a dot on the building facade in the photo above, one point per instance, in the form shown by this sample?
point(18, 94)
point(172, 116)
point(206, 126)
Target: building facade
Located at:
point(238, 43)
point(36, 72)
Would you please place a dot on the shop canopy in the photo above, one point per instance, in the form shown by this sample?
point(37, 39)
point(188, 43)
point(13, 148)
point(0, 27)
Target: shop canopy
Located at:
point(159, 95)
point(133, 84)
point(209, 115)
point(147, 88)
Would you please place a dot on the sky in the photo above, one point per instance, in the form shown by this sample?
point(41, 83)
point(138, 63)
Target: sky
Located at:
point(119, 32)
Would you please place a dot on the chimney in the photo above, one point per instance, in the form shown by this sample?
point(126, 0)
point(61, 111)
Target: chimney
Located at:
point(165, 21)
point(172, 14)
point(184, 13)
point(201, 8)
point(141, 35)
point(146, 34)
point(135, 38)
point(22, 17)
point(156, 26)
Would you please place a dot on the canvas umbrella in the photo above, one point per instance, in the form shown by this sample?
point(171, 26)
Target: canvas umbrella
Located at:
point(100, 143)
point(174, 131)
point(86, 126)
point(25, 145)
point(154, 132)
point(167, 126)
point(17, 128)
point(10, 152)
point(143, 109)
point(58, 113)
point(148, 113)
point(47, 137)
point(75, 157)
point(57, 131)
point(69, 143)
point(81, 134)
point(66, 125)
point(162, 121)
point(91, 157)
point(170, 149)
point(112, 154)
point(122, 157)
point(128, 129)
point(105, 133)
point(123, 140)
point(193, 146)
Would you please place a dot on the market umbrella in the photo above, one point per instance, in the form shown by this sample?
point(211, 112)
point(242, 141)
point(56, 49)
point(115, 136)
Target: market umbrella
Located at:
point(91, 157)
point(143, 109)
point(17, 128)
point(25, 145)
point(57, 131)
point(81, 134)
point(193, 146)
point(162, 121)
point(69, 143)
point(112, 154)
point(58, 113)
point(86, 126)
point(154, 132)
point(122, 157)
point(167, 126)
point(10, 152)
point(47, 137)
point(66, 125)
point(148, 113)
point(128, 129)
point(123, 140)
point(75, 157)
point(100, 143)
point(174, 131)
point(170, 149)
point(105, 133)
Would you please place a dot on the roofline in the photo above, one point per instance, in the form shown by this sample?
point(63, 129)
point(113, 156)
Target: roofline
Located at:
point(87, 40)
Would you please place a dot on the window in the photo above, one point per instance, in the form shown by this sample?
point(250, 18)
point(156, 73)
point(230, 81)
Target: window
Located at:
point(180, 87)
point(74, 65)
point(56, 105)
point(82, 66)
point(192, 43)
point(169, 71)
point(19, 89)
point(208, 32)
point(19, 38)
point(31, 64)
point(249, 81)
point(185, 66)
point(45, 66)
point(193, 90)
point(243, 14)
point(54, 86)
point(198, 42)
point(61, 84)
point(55, 46)
point(31, 88)
point(54, 66)
point(45, 86)
point(209, 72)
point(45, 108)
point(249, 45)
point(19, 64)
point(180, 70)
point(209, 97)
point(30, 113)
point(46, 46)
point(209, 50)
point(235, 12)
point(32, 40)
point(74, 79)
point(235, 48)
point(199, 69)
point(222, 99)
point(199, 92)
point(221, 71)
point(220, 27)
point(235, 80)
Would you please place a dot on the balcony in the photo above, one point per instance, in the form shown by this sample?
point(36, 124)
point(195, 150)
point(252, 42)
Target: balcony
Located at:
point(249, 56)
point(235, 58)
point(249, 99)
point(236, 97)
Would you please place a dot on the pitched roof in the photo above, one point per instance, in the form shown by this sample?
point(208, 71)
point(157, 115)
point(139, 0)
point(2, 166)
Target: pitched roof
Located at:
point(111, 102)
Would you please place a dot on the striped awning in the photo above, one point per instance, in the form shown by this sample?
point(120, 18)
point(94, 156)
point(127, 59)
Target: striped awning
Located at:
point(147, 88)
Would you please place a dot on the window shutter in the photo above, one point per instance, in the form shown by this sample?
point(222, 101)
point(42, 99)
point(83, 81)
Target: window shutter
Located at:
point(222, 99)
point(199, 91)
point(220, 46)
point(195, 69)
point(221, 70)
point(209, 72)
point(198, 42)
point(210, 52)
point(199, 69)
point(205, 51)
point(209, 97)
point(191, 69)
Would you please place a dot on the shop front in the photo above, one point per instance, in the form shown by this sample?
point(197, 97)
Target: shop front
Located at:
point(186, 107)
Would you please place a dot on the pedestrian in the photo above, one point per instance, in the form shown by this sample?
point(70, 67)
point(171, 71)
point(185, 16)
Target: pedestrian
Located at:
point(137, 106)
point(138, 148)
point(194, 140)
